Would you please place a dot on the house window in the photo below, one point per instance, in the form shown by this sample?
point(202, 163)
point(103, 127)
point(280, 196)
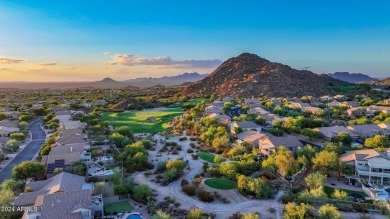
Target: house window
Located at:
point(86, 214)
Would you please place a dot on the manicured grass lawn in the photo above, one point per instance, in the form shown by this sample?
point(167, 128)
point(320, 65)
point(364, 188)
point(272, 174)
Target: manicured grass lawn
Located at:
point(344, 89)
point(138, 122)
point(208, 157)
point(329, 191)
point(118, 207)
point(220, 184)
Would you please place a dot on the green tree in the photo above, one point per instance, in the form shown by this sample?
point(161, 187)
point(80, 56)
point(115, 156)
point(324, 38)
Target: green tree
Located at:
point(28, 169)
point(343, 138)
point(250, 216)
point(194, 213)
point(142, 192)
point(125, 131)
point(23, 126)
point(340, 194)
point(12, 145)
point(217, 159)
point(161, 215)
point(285, 161)
point(308, 152)
point(6, 196)
point(328, 211)
point(177, 164)
point(315, 180)
point(79, 168)
point(17, 136)
point(294, 211)
point(11, 184)
point(100, 189)
point(325, 161)
point(2, 116)
point(378, 141)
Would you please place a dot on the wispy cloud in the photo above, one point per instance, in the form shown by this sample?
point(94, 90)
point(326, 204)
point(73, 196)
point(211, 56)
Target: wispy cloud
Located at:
point(11, 61)
point(70, 68)
point(47, 63)
point(163, 61)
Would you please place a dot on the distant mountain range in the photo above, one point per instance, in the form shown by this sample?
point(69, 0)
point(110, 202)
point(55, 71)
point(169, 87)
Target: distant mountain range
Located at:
point(249, 75)
point(163, 81)
point(352, 77)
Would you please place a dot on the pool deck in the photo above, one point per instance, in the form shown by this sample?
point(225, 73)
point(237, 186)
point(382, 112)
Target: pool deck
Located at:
point(341, 184)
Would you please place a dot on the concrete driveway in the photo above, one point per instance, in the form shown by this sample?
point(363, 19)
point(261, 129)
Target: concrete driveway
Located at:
point(28, 153)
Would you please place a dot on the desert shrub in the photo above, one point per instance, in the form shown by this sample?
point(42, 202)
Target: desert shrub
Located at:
point(93, 179)
point(190, 190)
point(182, 138)
point(197, 180)
point(184, 182)
point(345, 207)
point(189, 150)
point(359, 207)
point(161, 166)
point(194, 156)
point(193, 138)
point(205, 196)
point(286, 198)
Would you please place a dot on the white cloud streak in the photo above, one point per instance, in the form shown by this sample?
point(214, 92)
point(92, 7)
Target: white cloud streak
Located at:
point(163, 61)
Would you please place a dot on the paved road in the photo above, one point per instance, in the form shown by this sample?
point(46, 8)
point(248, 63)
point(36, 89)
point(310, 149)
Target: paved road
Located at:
point(28, 153)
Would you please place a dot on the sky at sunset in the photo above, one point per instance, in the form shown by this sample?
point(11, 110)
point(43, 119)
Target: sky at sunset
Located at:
point(123, 39)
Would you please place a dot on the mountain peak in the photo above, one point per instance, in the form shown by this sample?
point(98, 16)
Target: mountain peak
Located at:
point(108, 80)
point(248, 75)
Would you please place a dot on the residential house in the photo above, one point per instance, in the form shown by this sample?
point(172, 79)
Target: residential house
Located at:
point(71, 125)
point(228, 99)
point(300, 105)
point(249, 102)
point(65, 205)
point(326, 98)
point(214, 109)
point(327, 133)
point(387, 101)
point(258, 111)
point(7, 127)
point(71, 148)
point(62, 182)
point(218, 103)
point(349, 104)
point(12, 115)
point(61, 161)
point(100, 103)
point(71, 136)
point(245, 125)
point(252, 137)
point(310, 109)
point(371, 165)
point(356, 111)
point(374, 109)
point(369, 130)
point(333, 103)
point(223, 119)
point(340, 97)
point(268, 145)
point(276, 101)
point(64, 115)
